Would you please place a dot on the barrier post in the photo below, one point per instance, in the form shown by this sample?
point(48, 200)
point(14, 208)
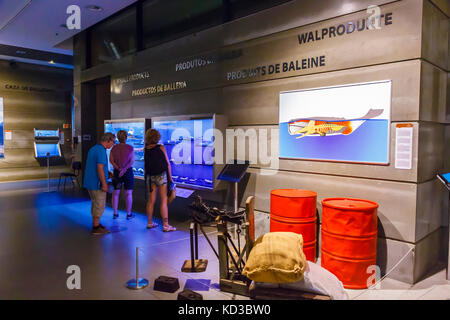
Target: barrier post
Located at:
point(137, 283)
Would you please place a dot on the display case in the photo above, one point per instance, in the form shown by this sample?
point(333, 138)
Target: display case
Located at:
point(190, 145)
point(136, 137)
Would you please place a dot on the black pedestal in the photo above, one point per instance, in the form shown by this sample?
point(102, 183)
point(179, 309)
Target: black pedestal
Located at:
point(189, 295)
point(166, 284)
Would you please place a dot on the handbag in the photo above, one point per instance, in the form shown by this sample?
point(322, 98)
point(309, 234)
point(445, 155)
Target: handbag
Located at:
point(171, 192)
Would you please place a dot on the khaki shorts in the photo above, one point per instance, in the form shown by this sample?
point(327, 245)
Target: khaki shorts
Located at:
point(98, 202)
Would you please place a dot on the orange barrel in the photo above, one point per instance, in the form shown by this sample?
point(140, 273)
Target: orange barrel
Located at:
point(293, 210)
point(293, 203)
point(349, 239)
point(309, 249)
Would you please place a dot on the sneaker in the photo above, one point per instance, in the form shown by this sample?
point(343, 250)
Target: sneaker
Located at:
point(115, 216)
point(100, 230)
point(130, 216)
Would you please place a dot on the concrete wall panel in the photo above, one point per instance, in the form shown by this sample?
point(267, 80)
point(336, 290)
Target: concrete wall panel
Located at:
point(435, 35)
point(257, 103)
point(433, 94)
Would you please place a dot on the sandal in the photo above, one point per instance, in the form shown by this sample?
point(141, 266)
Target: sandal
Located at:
point(169, 229)
point(152, 225)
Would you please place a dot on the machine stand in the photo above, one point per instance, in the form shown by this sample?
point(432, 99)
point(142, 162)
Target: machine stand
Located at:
point(195, 264)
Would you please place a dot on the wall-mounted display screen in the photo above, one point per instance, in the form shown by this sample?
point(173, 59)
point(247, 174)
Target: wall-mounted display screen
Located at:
point(2, 145)
point(136, 133)
point(186, 147)
point(46, 134)
point(348, 123)
point(41, 150)
point(445, 178)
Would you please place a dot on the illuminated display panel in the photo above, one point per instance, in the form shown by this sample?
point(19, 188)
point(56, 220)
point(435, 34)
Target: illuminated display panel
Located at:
point(188, 150)
point(344, 123)
point(445, 178)
point(136, 133)
point(46, 133)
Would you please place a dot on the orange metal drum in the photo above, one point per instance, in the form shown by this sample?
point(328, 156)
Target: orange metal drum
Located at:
point(349, 239)
point(293, 203)
point(293, 210)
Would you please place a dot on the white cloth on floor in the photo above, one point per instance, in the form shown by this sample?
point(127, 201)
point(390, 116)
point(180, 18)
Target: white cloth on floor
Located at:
point(316, 280)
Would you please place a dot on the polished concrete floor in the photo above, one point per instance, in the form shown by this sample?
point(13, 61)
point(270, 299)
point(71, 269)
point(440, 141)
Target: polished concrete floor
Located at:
point(43, 233)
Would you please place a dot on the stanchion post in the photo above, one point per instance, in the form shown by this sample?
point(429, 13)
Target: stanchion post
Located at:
point(137, 267)
point(138, 283)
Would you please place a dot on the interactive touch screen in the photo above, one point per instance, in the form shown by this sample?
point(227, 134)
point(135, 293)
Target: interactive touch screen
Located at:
point(41, 150)
point(233, 172)
point(345, 123)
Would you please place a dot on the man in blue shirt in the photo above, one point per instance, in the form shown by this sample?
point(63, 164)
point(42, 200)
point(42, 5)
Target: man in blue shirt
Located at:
point(95, 175)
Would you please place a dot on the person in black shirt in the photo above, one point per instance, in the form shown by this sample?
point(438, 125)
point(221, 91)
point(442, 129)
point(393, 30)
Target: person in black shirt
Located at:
point(157, 174)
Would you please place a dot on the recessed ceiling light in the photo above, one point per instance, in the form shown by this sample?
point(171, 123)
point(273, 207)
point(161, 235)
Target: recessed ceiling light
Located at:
point(51, 62)
point(94, 7)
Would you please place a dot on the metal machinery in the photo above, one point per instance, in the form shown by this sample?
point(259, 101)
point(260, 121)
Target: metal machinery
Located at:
point(231, 278)
point(231, 256)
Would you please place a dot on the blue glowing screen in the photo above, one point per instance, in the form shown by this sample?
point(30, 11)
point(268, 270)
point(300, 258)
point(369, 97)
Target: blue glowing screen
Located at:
point(46, 133)
point(43, 148)
point(136, 133)
point(189, 146)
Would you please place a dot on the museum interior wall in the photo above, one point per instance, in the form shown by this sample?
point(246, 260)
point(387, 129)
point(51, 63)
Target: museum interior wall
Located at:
point(34, 96)
point(240, 69)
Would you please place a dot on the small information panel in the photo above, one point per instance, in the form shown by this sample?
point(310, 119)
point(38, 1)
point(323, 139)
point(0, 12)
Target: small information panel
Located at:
point(403, 146)
point(184, 193)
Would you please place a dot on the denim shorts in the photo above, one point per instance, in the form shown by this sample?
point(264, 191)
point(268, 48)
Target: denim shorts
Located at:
point(158, 180)
point(127, 180)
